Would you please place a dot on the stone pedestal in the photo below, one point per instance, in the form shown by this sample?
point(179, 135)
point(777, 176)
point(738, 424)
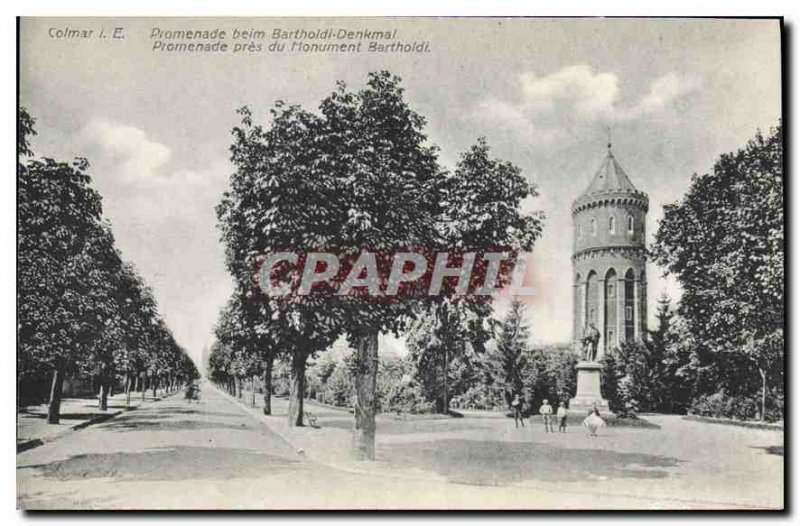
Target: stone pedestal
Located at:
point(588, 394)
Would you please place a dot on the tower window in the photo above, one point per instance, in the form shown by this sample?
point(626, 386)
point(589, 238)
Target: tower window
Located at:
point(580, 231)
point(612, 224)
point(594, 227)
point(630, 225)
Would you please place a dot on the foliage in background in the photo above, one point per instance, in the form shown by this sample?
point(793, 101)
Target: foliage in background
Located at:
point(479, 378)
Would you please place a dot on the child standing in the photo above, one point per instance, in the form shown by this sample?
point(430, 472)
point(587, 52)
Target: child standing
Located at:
point(546, 411)
point(562, 417)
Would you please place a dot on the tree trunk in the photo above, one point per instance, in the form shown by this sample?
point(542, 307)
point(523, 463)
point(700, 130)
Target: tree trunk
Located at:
point(144, 388)
point(104, 384)
point(128, 382)
point(365, 406)
point(763, 374)
point(298, 388)
point(444, 317)
point(268, 385)
point(154, 382)
point(54, 406)
point(136, 383)
point(252, 391)
point(445, 401)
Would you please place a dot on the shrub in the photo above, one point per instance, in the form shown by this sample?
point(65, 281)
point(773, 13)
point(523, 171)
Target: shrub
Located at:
point(618, 386)
point(398, 389)
point(480, 397)
point(338, 389)
point(722, 405)
point(404, 398)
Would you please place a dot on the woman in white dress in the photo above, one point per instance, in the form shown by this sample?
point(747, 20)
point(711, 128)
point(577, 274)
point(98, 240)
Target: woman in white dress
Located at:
point(593, 422)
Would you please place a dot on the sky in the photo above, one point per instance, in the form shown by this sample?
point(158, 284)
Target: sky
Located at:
point(155, 126)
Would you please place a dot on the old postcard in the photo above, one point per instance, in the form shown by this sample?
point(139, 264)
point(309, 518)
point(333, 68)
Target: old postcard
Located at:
point(400, 263)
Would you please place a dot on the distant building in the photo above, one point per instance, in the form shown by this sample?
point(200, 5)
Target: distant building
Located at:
point(608, 258)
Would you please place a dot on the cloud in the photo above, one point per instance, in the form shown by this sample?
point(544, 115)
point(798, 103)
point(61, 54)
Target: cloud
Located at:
point(664, 91)
point(575, 87)
point(162, 212)
point(548, 107)
point(134, 175)
point(515, 119)
point(136, 157)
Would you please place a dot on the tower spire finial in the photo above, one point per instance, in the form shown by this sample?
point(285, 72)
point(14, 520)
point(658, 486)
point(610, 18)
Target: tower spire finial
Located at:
point(608, 133)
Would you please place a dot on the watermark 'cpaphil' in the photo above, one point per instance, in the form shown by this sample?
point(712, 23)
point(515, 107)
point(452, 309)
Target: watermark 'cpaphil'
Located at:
point(387, 274)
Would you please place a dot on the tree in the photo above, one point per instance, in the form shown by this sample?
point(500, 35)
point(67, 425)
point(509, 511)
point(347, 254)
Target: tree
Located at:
point(359, 176)
point(356, 177)
point(58, 217)
point(507, 359)
point(138, 314)
point(482, 211)
point(385, 184)
point(670, 361)
point(82, 310)
point(724, 242)
point(437, 339)
point(277, 199)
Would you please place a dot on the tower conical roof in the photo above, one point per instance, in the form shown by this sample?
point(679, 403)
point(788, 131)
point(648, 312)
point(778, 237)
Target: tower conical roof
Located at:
point(609, 182)
point(610, 178)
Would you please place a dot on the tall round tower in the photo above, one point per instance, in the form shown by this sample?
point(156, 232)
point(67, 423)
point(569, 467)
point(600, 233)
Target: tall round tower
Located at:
point(608, 258)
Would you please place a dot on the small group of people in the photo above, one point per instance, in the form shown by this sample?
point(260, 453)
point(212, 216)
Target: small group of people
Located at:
point(592, 422)
point(546, 410)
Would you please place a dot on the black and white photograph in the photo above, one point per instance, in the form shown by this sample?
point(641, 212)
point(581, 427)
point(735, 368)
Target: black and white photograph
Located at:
point(400, 263)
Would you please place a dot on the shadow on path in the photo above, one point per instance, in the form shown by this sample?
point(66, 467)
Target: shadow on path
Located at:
point(175, 463)
point(70, 416)
point(178, 410)
point(495, 463)
point(155, 424)
point(771, 450)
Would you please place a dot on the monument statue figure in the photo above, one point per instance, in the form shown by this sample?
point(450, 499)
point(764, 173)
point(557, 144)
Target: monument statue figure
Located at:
point(591, 337)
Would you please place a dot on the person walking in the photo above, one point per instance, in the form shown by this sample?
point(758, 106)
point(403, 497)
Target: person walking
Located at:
point(546, 411)
point(516, 406)
point(562, 417)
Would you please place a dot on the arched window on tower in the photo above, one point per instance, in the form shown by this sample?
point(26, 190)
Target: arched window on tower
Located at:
point(594, 227)
point(630, 225)
point(612, 225)
point(580, 231)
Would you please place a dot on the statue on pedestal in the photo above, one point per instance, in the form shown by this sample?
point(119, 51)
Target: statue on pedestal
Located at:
point(589, 341)
point(587, 391)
